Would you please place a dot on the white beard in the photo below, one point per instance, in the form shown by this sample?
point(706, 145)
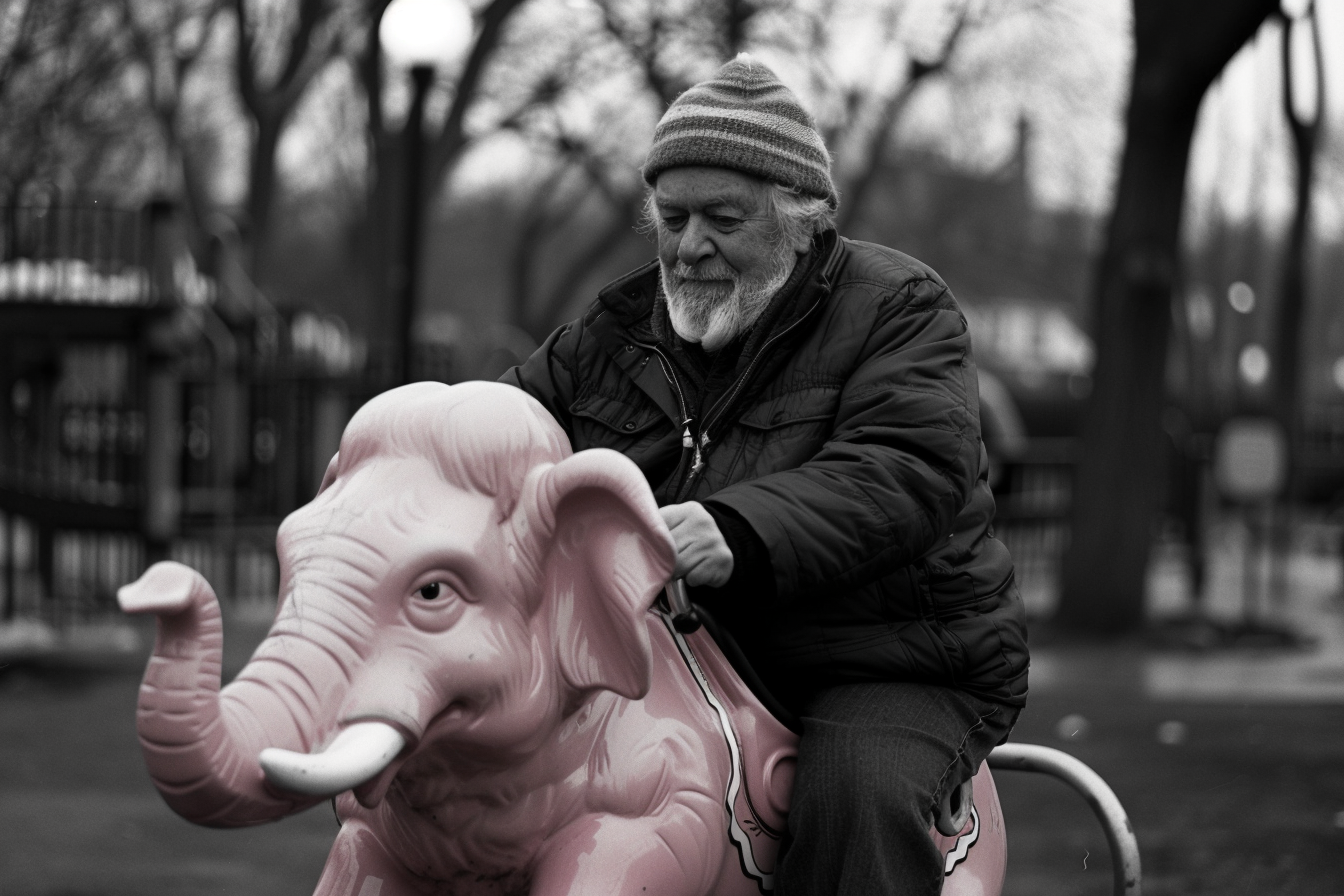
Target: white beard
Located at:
point(702, 309)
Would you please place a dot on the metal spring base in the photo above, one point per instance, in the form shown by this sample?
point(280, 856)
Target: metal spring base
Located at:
point(1104, 803)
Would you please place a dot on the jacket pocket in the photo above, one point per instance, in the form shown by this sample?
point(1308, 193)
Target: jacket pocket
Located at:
point(617, 416)
point(783, 432)
point(968, 569)
point(811, 405)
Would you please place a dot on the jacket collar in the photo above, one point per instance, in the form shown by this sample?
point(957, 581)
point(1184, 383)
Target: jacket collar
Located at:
point(630, 299)
point(628, 306)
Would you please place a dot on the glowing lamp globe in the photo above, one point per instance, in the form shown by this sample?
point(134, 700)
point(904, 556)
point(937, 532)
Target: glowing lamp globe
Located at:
point(433, 33)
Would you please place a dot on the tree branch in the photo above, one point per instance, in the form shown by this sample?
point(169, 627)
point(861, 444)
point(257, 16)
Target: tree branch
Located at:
point(580, 266)
point(301, 38)
point(644, 51)
point(243, 51)
point(450, 141)
point(536, 220)
point(879, 138)
point(15, 20)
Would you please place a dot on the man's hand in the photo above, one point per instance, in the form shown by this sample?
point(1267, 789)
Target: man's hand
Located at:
point(703, 557)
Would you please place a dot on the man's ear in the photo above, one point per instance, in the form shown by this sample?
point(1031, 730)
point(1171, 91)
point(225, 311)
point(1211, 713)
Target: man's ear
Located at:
point(609, 554)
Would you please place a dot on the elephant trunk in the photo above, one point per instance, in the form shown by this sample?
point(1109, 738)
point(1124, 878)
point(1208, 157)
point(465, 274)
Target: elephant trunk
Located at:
point(201, 750)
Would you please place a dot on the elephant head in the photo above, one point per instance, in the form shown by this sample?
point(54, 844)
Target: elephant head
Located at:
point(460, 579)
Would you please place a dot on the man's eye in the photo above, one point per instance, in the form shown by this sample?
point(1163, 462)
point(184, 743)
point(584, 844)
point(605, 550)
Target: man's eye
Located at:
point(726, 221)
point(674, 222)
point(432, 590)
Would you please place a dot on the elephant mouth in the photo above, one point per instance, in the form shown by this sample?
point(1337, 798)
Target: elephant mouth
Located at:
point(363, 757)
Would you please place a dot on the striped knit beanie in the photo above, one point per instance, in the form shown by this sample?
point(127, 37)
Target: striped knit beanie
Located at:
point(745, 119)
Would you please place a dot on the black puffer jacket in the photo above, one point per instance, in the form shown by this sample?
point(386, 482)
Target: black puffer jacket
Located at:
point(847, 437)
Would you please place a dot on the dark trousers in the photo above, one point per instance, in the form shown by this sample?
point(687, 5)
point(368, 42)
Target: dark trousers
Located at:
point(873, 762)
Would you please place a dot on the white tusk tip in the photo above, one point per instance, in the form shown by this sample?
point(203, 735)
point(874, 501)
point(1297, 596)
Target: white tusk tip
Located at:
point(357, 754)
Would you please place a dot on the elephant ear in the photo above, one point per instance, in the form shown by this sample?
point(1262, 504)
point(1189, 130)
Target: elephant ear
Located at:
point(333, 467)
point(608, 557)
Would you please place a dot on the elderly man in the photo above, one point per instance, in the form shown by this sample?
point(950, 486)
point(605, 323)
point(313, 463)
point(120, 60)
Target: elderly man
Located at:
point(805, 409)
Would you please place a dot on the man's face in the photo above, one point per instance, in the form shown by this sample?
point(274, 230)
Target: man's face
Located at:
point(719, 248)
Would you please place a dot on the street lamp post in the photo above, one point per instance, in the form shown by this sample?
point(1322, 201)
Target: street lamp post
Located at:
point(408, 278)
point(418, 36)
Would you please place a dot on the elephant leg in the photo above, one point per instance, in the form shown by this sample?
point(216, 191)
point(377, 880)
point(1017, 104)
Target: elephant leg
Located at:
point(673, 854)
point(359, 866)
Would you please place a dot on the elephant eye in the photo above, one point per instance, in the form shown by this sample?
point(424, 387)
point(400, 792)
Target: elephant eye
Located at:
point(431, 591)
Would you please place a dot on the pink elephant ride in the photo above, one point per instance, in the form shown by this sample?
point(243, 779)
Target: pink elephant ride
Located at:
point(470, 658)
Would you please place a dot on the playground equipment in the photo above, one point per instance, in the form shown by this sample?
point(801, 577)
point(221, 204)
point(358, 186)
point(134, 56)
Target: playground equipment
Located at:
point(467, 657)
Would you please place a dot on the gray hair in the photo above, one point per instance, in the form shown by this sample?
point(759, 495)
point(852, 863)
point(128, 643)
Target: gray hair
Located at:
point(797, 215)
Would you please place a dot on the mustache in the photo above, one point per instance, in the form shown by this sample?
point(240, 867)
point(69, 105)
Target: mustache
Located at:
point(713, 269)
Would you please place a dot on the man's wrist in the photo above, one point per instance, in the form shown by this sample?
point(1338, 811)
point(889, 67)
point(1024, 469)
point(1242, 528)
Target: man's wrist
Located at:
point(752, 569)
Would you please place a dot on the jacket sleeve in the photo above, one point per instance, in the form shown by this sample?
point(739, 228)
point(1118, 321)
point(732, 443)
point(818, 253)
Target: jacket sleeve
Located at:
point(548, 375)
point(897, 467)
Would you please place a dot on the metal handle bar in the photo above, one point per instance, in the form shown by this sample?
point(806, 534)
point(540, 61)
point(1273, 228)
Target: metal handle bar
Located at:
point(1119, 833)
point(684, 617)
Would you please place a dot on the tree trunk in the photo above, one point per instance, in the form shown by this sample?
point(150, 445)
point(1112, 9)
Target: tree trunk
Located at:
point(1287, 372)
point(1180, 47)
point(261, 192)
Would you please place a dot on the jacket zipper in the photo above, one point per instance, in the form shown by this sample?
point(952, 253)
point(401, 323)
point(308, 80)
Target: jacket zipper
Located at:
point(687, 437)
point(702, 446)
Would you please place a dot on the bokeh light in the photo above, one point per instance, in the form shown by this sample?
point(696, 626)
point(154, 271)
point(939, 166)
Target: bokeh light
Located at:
point(1337, 373)
point(1253, 364)
point(1200, 314)
point(1241, 297)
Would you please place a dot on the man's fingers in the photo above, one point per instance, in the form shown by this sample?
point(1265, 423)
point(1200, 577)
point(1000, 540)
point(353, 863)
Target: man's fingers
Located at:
point(677, 517)
point(705, 564)
point(689, 559)
point(709, 572)
point(703, 557)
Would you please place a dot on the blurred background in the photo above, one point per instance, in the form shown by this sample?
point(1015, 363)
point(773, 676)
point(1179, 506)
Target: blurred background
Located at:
point(224, 224)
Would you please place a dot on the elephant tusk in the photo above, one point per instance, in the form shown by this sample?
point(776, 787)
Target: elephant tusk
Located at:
point(357, 754)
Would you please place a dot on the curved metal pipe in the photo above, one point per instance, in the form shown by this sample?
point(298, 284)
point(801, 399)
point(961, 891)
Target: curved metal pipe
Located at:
point(357, 754)
point(1119, 833)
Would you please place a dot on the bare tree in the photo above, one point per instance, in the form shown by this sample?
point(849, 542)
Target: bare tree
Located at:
point(276, 58)
point(452, 138)
point(1180, 47)
point(671, 47)
point(874, 144)
point(169, 41)
point(577, 188)
point(588, 202)
point(71, 114)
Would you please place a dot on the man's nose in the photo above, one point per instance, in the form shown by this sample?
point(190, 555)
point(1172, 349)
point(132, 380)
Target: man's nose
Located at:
point(695, 244)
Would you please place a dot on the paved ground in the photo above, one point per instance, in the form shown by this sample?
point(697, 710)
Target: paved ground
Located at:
point(1230, 763)
point(1226, 796)
point(79, 817)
